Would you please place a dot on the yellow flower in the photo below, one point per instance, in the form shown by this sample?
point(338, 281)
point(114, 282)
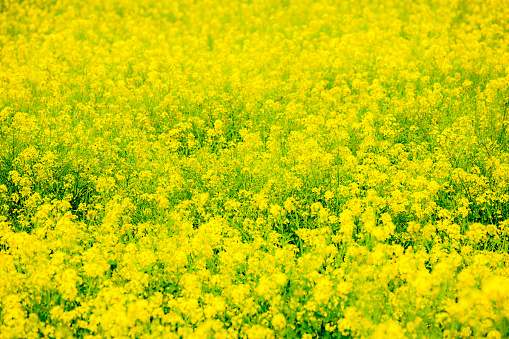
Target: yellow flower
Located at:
point(278, 321)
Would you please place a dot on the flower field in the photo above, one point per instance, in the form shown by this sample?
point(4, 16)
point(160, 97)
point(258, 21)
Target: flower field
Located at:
point(254, 169)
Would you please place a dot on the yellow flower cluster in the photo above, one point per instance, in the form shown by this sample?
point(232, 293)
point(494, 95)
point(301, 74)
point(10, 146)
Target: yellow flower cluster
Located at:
point(254, 169)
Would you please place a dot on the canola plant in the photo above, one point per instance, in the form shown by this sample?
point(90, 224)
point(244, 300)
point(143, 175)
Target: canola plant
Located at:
point(254, 169)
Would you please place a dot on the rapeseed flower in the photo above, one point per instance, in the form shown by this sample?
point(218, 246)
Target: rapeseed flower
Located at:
point(253, 169)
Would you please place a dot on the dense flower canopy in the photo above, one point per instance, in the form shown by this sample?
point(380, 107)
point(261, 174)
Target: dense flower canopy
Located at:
point(254, 169)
